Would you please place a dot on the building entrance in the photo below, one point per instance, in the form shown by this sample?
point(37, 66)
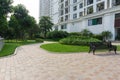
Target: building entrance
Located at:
point(117, 26)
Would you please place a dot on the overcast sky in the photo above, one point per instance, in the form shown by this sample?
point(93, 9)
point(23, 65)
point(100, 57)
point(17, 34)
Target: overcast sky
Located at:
point(31, 5)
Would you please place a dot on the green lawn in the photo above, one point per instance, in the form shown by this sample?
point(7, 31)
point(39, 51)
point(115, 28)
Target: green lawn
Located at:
point(57, 47)
point(10, 46)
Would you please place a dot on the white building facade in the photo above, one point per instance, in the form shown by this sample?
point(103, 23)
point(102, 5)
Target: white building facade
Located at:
point(44, 8)
point(94, 15)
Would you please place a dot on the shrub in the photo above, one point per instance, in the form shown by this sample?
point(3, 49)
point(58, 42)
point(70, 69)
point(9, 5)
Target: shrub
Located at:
point(106, 35)
point(86, 32)
point(98, 36)
point(78, 40)
point(39, 40)
point(57, 34)
point(75, 34)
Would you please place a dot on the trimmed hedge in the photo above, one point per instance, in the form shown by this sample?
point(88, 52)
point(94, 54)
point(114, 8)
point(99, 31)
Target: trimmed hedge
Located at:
point(78, 40)
point(57, 34)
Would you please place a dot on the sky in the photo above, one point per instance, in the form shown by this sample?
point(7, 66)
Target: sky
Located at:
point(31, 5)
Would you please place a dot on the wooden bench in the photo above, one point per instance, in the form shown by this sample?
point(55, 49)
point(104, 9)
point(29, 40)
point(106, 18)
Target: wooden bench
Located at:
point(95, 45)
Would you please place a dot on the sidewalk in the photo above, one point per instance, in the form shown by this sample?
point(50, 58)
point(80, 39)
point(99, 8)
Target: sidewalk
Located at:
point(33, 63)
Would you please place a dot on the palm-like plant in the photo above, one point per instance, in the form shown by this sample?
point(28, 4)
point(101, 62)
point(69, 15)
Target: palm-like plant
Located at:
point(106, 35)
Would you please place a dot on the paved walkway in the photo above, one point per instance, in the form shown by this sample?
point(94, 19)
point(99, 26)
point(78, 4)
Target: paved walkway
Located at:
point(33, 63)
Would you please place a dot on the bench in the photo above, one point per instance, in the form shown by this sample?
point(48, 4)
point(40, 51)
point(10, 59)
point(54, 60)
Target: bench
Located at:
point(95, 45)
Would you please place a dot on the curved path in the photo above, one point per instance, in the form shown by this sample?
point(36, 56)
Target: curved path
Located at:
point(34, 63)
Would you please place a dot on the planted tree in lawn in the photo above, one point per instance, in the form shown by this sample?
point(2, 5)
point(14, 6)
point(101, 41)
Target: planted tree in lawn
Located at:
point(20, 13)
point(45, 25)
point(15, 27)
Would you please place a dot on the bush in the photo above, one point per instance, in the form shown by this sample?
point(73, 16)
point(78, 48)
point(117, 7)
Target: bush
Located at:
point(106, 35)
point(78, 40)
point(39, 40)
point(57, 34)
point(75, 34)
point(98, 36)
point(86, 32)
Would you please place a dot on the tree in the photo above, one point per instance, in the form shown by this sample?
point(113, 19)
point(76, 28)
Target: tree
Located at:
point(3, 26)
point(21, 13)
point(5, 8)
point(24, 25)
point(45, 25)
point(14, 26)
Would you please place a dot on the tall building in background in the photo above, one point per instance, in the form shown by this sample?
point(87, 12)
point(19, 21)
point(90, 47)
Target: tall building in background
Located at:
point(94, 15)
point(44, 8)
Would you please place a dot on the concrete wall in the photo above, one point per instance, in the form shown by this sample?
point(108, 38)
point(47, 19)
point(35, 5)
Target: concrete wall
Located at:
point(1, 43)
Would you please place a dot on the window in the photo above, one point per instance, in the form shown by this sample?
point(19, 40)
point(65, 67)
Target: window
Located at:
point(89, 2)
point(61, 19)
point(95, 21)
point(74, 1)
point(98, 0)
point(66, 10)
point(62, 0)
point(56, 28)
point(74, 8)
point(75, 16)
point(100, 6)
point(90, 10)
point(66, 17)
point(66, 3)
point(81, 5)
point(62, 6)
point(61, 12)
point(80, 14)
point(64, 26)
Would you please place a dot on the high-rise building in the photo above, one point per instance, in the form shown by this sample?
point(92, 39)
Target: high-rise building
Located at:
point(94, 15)
point(44, 8)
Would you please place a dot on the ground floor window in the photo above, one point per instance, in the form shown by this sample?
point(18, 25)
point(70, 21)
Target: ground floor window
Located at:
point(95, 21)
point(64, 26)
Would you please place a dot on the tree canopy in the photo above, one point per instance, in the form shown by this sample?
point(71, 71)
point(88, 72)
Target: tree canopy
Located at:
point(45, 25)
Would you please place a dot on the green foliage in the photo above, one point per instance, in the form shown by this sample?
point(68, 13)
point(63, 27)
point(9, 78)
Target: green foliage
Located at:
point(78, 40)
point(5, 7)
point(106, 35)
point(45, 25)
point(57, 34)
point(86, 33)
point(98, 36)
point(24, 26)
point(75, 34)
point(39, 40)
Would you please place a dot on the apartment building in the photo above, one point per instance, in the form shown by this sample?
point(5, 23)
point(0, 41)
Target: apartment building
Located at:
point(94, 15)
point(44, 8)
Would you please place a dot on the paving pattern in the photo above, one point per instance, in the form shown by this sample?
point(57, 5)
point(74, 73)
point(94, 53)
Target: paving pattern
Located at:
point(33, 63)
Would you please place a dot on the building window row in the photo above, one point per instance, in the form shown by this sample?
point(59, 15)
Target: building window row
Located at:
point(95, 21)
point(64, 18)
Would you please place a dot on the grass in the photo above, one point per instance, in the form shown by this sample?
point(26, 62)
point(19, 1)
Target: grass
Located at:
point(57, 47)
point(10, 46)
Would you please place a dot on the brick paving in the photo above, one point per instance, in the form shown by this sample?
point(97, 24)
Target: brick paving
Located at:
point(34, 63)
